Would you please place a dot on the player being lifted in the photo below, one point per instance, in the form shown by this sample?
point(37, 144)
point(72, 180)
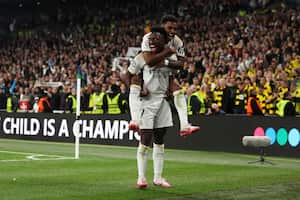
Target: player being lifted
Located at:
point(155, 114)
point(175, 51)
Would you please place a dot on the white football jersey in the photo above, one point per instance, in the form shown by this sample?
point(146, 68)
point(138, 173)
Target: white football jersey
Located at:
point(156, 80)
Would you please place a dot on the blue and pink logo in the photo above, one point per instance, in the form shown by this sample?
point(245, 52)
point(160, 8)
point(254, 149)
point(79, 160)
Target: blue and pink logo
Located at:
point(282, 136)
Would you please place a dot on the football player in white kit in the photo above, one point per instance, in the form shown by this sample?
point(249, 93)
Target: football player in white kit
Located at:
point(155, 115)
point(169, 23)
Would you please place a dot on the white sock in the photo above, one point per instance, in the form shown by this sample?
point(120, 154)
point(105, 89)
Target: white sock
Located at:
point(142, 157)
point(181, 107)
point(135, 102)
point(158, 161)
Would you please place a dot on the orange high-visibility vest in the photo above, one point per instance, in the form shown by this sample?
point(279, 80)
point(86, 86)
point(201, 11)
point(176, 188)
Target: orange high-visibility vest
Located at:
point(41, 104)
point(249, 108)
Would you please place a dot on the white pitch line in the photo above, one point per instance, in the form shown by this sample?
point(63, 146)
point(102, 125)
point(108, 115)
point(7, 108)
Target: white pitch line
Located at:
point(20, 160)
point(46, 159)
point(27, 153)
point(34, 156)
point(39, 157)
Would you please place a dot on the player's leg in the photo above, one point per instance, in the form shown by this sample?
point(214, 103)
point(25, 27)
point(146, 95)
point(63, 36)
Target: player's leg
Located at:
point(163, 119)
point(142, 156)
point(134, 103)
point(150, 108)
point(181, 107)
point(180, 104)
point(158, 158)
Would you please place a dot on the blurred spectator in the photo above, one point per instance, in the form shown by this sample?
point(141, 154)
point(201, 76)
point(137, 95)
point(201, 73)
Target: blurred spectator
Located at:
point(240, 98)
point(2, 100)
point(113, 101)
point(253, 105)
point(295, 94)
point(96, 101)
point(71, 102)
point(125, 96)
point(35, 107)
point(285, 106)
point(196, 104)
point(44, 104)
point(54, 98)
point(9, 103)
point(257, 41)
point(216, 110)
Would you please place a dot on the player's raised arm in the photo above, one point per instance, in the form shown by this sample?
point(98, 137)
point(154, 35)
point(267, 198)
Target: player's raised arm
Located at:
point(134, 68)
point(152, 58)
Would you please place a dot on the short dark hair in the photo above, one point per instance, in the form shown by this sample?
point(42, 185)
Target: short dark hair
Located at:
point(247, 78)
point(168, 18)
point(238, 78)
point(160, 30)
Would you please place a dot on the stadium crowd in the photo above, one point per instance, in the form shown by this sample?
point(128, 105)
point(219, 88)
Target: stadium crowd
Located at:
point(238, 60)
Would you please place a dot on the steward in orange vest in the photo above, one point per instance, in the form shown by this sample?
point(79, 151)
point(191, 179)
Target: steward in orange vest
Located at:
point(253, 105)
point(44, 104)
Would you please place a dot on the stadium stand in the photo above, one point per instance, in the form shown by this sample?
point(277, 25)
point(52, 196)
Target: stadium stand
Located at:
point(232, 48)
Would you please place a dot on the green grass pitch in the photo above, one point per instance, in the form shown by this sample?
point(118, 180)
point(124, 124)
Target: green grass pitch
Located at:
point(44, 170)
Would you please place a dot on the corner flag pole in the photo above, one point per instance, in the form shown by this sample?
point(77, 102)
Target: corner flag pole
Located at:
point(77, 132)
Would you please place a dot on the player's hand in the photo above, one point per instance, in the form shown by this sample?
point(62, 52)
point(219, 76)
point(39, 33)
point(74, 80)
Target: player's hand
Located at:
point(135, 79)
point(170, 51)
point(169, 96)
point(160, 64)
point(144, 92)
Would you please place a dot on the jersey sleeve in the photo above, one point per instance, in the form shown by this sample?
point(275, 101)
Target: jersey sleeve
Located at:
point(136, 64)
point(145, 43)
point(178, 44)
